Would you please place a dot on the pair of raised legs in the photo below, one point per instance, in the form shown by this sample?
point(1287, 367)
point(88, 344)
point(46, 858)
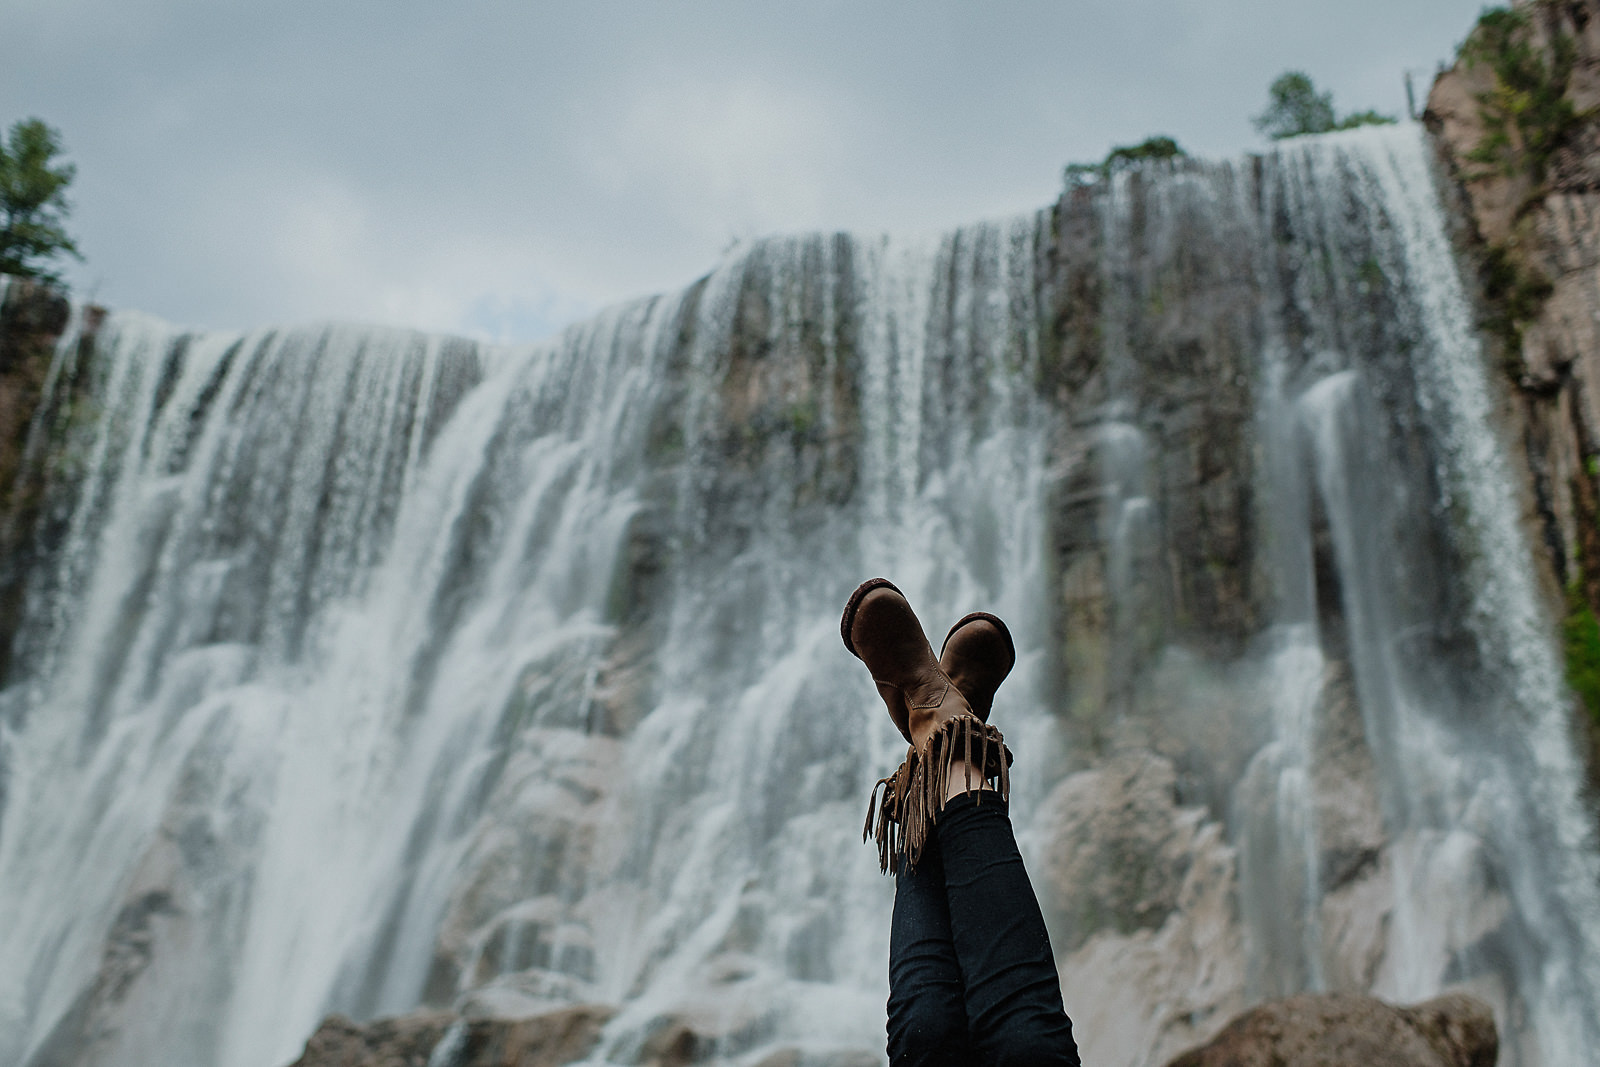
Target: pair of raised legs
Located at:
point(972, 980)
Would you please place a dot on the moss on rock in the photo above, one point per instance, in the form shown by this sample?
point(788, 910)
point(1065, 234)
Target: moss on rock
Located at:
point(1515, 293)
point(1527, 115)
point(1580, 632)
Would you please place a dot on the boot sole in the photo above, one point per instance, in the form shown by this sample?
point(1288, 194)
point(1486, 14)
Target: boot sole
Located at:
point(849, 617)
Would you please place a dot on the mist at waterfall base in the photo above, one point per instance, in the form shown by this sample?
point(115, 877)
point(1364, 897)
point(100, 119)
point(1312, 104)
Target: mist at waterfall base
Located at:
point(375, 669)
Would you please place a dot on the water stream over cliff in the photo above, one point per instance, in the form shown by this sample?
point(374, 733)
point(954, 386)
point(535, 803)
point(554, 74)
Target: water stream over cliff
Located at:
point(374, 669)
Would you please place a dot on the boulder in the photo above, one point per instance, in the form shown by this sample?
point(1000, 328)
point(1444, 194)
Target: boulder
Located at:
point(407, 1041)
point(546, 1040)
point(793, 1057)
point(1345, 1030)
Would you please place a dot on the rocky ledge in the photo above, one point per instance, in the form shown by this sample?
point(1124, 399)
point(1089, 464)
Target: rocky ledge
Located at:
point(1330, 1030)
point(546, 1039)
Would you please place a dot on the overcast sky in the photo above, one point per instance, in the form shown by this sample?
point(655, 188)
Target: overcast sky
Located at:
point(504, 167)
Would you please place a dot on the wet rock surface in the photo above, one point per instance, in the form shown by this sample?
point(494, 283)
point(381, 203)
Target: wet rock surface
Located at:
point(1137, 996)
point(1119, 849)
point(534, 841)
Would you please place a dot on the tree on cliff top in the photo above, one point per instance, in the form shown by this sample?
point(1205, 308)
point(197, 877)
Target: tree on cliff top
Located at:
point(33, 202)
point(1124, 157)
point(1296, 107)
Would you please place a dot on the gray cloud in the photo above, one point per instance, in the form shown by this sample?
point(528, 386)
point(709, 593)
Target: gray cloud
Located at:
point(503, 167)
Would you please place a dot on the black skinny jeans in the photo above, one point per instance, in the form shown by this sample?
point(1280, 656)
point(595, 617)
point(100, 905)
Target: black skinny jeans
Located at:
point(972, 982)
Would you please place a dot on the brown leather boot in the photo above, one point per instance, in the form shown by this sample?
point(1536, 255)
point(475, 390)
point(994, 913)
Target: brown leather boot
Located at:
point(977, 655)
point(931, 712)
point(881, 630)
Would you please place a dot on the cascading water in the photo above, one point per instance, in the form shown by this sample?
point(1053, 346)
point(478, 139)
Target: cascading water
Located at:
point(373, 670)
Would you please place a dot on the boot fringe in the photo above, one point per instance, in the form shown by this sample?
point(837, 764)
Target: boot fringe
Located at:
point(889, 831)
point(914, 795)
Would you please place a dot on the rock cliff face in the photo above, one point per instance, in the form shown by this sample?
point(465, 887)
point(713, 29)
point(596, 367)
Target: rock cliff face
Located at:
point(1518, 121)
point(31, 400)
point(390, 676)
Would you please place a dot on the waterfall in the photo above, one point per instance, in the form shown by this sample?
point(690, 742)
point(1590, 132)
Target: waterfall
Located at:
point(371, 670)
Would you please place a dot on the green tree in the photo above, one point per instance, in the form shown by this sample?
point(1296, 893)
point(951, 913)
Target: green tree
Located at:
point(1123, 157)
point(33, 202)
point(1527, 115)
point(1295, 107)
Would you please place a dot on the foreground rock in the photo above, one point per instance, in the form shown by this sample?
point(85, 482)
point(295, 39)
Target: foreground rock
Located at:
point(547, 1040)
point(1343, 1030)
